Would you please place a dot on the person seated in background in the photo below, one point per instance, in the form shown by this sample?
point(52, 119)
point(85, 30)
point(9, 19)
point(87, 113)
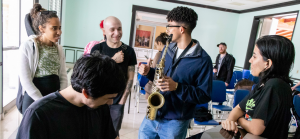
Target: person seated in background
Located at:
point(90, 45)
point(81, 110)
point(160, 42)
point(267, 107)
point(244, 84)
point(225, 62)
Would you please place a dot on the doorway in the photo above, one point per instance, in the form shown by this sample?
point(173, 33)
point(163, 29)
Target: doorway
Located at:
point(282, 24)
point(147, 23)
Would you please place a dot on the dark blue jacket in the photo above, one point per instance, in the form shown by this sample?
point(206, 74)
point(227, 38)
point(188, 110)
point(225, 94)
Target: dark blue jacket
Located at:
point(194, 75)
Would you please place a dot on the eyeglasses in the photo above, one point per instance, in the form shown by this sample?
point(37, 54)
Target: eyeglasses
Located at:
point(47, 12)
point(168, 27)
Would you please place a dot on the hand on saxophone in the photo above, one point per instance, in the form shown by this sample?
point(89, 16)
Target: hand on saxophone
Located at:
point(145, 68)
point(166, 84)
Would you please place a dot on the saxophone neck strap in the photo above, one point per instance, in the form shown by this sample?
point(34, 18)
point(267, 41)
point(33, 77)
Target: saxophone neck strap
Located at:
point(175, 61)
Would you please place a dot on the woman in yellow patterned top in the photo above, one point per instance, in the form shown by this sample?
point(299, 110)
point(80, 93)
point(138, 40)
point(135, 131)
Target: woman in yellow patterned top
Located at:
point(42, 61)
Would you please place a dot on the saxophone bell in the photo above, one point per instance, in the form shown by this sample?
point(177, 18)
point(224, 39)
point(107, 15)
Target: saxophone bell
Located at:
point(156, 100)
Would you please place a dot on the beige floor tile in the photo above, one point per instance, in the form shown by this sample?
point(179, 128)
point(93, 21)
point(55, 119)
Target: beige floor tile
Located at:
point(123, 137)
point(124, 131)
point(132, 135)
point(10, 123)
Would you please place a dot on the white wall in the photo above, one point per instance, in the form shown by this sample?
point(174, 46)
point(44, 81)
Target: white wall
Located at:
point(81, 22)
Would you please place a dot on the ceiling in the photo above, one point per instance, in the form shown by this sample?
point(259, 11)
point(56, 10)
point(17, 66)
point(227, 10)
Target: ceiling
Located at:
point(237, 4)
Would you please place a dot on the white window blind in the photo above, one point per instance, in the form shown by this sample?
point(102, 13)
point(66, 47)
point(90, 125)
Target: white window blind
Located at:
point(55, 5)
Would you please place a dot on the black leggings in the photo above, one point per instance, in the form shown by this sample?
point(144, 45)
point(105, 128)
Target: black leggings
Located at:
point(46, 85)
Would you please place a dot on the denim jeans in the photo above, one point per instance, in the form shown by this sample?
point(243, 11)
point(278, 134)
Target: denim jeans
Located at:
point(117, 114)
point(163, 129)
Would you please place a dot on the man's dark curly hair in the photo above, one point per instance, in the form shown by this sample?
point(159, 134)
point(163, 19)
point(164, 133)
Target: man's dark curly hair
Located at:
point(184, 15)
point(98, 75)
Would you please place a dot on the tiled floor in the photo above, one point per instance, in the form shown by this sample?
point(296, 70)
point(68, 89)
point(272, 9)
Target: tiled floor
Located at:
point(10, 123)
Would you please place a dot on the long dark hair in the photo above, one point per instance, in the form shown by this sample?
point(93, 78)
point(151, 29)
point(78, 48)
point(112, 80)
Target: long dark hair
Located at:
point(282, 53)
point(40, 18)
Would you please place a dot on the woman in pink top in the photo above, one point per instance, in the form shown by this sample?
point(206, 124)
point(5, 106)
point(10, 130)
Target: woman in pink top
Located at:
point(91, 44)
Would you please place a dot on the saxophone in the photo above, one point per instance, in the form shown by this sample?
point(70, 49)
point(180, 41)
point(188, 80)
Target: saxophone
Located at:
point(157, 100)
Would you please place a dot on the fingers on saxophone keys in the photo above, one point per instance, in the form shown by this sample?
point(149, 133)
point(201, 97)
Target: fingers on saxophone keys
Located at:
point(164, 89)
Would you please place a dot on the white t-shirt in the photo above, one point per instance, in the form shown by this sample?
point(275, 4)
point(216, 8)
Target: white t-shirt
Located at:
point(179, 51)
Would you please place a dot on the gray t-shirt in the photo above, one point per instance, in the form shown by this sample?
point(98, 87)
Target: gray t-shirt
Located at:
point(220, 62)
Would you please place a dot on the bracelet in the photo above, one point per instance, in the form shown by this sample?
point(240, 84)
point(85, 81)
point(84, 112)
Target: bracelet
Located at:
point(176, 86)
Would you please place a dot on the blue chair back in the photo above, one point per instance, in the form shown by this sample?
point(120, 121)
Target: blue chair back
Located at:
point(296, 102)
point(250, 77)
point(246, 74)
point(232, 81)
point(297, 88)
point(142, 80)
point(255, 79)
point(202, 105)
point(253, 86)
point(239, 95)
point(218, 91)
point(238, 75)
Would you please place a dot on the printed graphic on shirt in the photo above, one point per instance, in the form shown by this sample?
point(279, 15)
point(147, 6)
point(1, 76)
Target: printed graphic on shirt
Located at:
point(48, 61)
point(248, 117)
point(250, 104)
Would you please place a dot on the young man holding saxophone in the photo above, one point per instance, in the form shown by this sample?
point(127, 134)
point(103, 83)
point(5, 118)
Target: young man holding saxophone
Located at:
point(187, 82)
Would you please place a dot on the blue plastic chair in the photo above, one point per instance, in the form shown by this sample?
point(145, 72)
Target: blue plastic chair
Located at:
point(232, 81)
point(255, 79)
point(253, 86)
point(231, 84)
point(246, 74)
point(205, 123)
point(239, 95)
point(219, 95)
point(238, 75)
point(296, 102)
point(297, 88)
point(250, 77)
